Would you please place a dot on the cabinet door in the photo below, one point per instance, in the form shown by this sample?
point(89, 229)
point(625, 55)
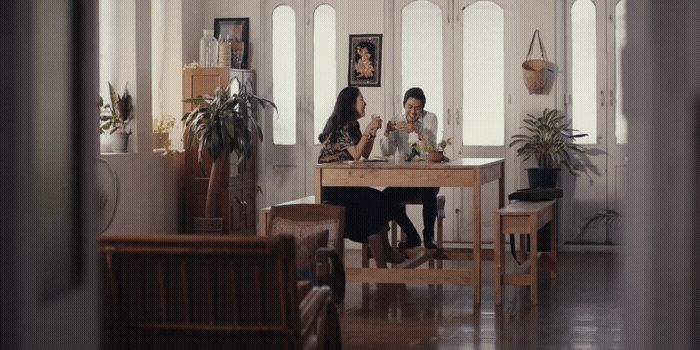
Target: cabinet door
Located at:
point(242, 210)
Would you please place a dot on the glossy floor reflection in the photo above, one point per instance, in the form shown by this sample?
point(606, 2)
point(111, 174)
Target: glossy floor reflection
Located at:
point(579, 310)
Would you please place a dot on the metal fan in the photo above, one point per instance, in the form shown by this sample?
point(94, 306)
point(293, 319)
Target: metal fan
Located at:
point(107, 193)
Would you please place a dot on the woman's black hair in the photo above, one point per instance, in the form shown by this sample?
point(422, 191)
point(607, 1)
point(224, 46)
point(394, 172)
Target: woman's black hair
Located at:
point(344, 112)
point(416, 93)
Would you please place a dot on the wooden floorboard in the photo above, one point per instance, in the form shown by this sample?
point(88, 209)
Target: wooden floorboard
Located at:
point(578, 310)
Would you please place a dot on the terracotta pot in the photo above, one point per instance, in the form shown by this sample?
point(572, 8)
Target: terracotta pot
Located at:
point(435, 156)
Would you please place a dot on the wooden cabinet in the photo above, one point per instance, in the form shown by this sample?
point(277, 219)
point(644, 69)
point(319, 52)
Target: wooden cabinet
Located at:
point(236, 198)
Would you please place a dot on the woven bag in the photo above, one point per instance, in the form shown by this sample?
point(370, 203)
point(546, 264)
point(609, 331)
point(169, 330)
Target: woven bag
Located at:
point(538, 73)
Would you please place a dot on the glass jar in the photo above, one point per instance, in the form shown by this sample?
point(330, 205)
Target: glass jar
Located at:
point(224, 50)
point(208, 47)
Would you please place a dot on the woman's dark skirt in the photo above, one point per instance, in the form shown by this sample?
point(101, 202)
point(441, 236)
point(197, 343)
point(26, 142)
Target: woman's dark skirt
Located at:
point(366, 210)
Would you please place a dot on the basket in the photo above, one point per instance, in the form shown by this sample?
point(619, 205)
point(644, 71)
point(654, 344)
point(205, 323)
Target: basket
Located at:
point(538, 73)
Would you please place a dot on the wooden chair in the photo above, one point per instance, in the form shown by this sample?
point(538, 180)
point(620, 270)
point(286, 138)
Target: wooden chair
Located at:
point(330, 270)
point(211, 292)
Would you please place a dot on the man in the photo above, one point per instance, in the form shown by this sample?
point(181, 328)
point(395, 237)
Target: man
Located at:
point(400, 133)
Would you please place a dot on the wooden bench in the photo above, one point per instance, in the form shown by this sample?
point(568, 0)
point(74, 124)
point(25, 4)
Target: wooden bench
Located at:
point(523, 218)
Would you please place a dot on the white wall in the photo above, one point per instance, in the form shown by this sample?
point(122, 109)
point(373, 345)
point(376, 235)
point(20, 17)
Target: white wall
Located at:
point(148, 198)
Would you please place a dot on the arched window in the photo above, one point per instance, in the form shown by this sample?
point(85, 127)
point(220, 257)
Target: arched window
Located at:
point(284, 75)
point(324, 62)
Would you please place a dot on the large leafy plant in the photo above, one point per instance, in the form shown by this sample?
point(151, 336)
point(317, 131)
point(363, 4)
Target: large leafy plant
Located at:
point(115, 117)
point(551, 140)
point(222, 125)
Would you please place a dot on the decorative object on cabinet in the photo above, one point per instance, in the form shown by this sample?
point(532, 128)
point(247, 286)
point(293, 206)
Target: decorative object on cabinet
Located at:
point(208, 49)
point(237, 29)
point(538, 74)
point(222, 125)
point(551, 142)
point(365, 60)
point(116, 118)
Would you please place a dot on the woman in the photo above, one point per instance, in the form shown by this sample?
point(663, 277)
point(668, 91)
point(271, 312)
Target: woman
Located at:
point(366, 209)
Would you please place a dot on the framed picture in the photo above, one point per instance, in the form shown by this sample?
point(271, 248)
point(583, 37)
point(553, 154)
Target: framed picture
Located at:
point(365, 60)
point(237, 31)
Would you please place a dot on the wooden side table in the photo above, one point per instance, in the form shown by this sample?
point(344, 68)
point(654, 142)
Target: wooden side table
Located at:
point(523, 218)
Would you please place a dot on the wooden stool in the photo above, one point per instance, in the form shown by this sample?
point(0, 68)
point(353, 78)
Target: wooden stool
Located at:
point(366, 253)
point(523, 218)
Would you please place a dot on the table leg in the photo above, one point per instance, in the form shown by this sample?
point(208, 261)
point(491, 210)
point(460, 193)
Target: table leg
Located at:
point(319, 185)
point(476, 236)
point(502, 187)
point(533, 259)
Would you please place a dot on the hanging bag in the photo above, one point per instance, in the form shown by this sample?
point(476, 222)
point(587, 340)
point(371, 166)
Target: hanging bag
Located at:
point(538, 74)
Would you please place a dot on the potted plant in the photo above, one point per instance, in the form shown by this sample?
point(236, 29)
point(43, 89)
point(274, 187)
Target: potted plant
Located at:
point(116, 118)
point(550, 141)
point(161, 132)
point(436, 154)
point(223, 125)
point(105, 146)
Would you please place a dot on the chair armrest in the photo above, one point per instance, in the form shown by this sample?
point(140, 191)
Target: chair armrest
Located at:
point(313, 312)
point(330, 271)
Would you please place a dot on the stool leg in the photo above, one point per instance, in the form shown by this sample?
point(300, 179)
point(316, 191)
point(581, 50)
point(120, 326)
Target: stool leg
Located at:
point(439, 239)
point(498, 260)
point(553, 236)
point(533, 259)
point(365, 255)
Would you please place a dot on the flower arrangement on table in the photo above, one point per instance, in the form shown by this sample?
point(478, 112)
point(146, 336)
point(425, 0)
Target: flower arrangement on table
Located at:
point(421, 144)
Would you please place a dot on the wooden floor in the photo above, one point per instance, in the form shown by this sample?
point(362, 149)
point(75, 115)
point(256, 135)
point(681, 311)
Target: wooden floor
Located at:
point(577, 311)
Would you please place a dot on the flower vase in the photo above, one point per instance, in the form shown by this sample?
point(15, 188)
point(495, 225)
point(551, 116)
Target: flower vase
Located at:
point(436, 156)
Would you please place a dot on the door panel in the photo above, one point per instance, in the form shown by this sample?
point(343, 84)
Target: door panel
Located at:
point(411, 10)
point(594, 190)
point(284, 169)
point(474, 72)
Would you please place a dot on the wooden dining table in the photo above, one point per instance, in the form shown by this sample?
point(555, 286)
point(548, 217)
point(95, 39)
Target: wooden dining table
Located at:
point(461, 173)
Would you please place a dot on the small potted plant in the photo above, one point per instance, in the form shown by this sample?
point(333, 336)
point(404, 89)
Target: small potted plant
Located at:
point(550, 141)
point(222, 125)
point(437, 154)
point(116, 118)
point(161, 132)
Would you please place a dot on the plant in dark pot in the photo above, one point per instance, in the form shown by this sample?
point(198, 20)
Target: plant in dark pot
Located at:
point(222, 125)
point(551, 141)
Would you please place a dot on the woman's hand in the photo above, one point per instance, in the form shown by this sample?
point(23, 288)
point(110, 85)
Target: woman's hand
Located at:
point(374, 125)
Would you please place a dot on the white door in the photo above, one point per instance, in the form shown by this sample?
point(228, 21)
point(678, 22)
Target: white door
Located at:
point(284, 140)
point(616, 121)
point(484, 118)
point(326, 45)
point(423, 58)
point(591, 104)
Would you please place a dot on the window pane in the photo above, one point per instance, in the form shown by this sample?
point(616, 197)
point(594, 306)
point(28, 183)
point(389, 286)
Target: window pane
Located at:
point(421, 54)
point(620, 41)
point(284, 75)
point(324, 66)
point(583, 69)
point(166, 74)
point(483, 75)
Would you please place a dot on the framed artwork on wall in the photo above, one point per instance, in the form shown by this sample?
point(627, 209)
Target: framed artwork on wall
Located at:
point(236, 29)
point(365, 61)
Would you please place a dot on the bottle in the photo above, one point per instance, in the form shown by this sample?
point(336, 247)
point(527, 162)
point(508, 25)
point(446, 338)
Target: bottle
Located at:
point(208, 47)
point(224, 50)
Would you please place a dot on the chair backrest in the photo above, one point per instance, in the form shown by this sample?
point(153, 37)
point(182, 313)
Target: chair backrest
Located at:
point(201, 292)
point(326, 216)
